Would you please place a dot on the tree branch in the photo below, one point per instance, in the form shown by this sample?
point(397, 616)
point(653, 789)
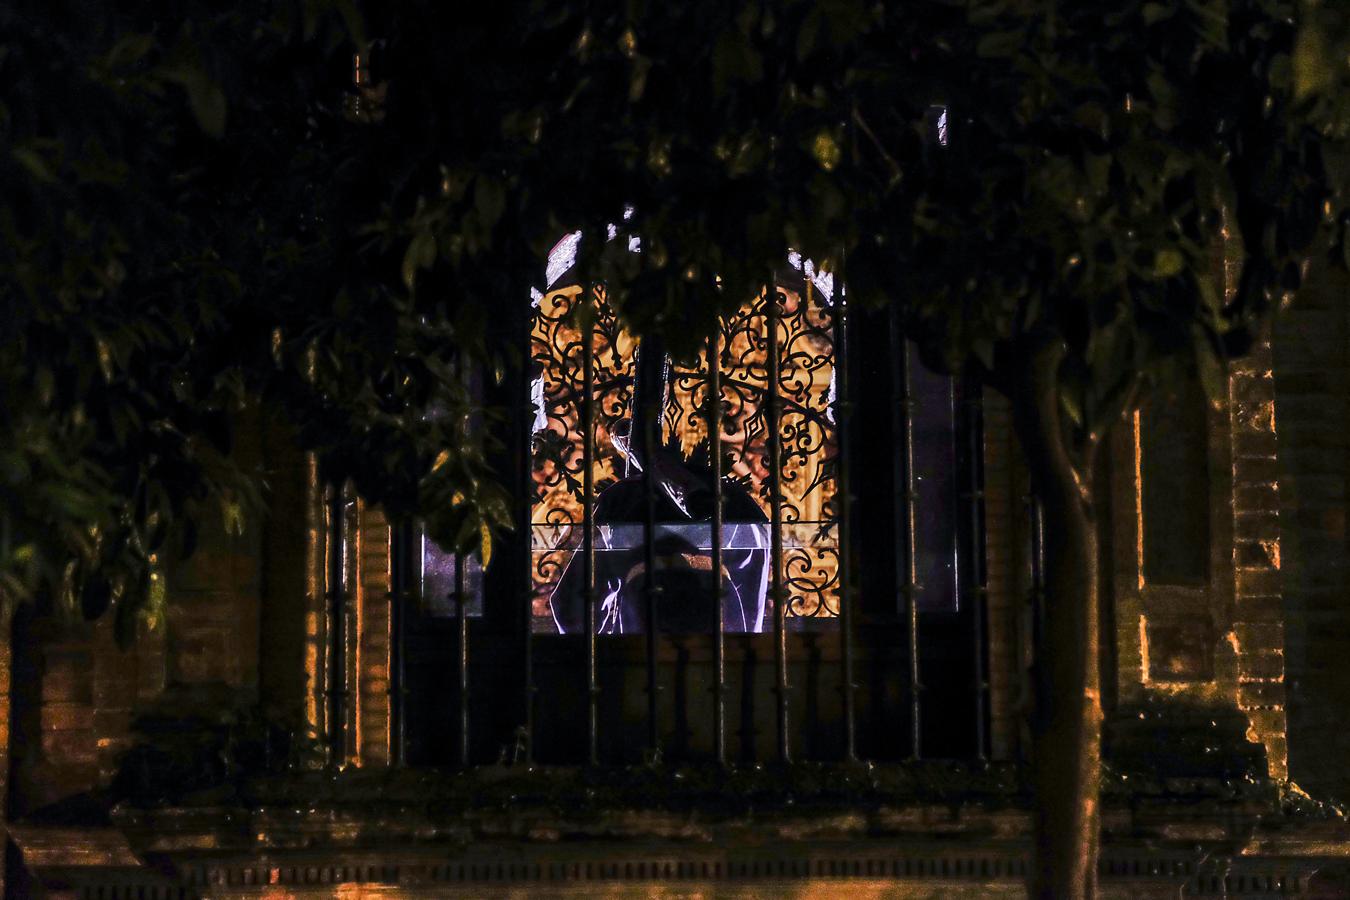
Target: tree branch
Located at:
point(896, 173)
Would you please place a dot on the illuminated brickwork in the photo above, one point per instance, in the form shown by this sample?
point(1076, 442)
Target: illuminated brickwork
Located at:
point(1257, 636)
point(1004, 510)
point(245, 590)
point(372, 659)
point(1311, 350)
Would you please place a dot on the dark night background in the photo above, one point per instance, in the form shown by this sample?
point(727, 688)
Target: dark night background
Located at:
point(1034, 458)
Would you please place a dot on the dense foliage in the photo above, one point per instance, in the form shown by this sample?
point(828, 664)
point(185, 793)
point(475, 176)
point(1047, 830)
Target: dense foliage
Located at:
point(185, 234)
point(206, 210)
point(201, 211)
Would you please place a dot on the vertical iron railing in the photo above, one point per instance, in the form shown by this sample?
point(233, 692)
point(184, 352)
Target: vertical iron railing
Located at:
point(1037, 562)
point(461, 597)
point(587, 404)
point(978, 591)
point(1037, 576)
point(714, 416)
point(650, 587)
point(462, 626)
point(843, 412)
point(524, 738)
point(906, 568)
point(909, 591)
point(400, 564)
point(775, 447)
point(337, 627)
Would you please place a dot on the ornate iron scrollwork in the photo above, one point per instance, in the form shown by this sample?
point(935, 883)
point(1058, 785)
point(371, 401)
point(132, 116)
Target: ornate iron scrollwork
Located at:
point(805, 381)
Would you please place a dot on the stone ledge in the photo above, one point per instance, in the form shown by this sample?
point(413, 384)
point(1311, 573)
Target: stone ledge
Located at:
point(907, 869)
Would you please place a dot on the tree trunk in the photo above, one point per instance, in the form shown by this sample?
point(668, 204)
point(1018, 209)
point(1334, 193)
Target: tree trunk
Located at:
point(1067, 719)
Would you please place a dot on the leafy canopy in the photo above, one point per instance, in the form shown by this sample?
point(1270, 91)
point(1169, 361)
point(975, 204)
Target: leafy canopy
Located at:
point(202, 212)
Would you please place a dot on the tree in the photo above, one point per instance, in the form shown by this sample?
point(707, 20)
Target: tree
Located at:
point(178, 245)
point(1064, 247)
point(342, 253)
point(1060, 241)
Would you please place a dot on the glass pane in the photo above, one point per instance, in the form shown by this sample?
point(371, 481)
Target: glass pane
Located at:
point(935, 483)
point(437, 582)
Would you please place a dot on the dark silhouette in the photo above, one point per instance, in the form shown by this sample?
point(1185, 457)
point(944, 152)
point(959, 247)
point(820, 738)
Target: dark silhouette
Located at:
point(683, 499)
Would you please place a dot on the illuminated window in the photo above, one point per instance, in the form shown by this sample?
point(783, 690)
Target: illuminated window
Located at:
point(801, 364)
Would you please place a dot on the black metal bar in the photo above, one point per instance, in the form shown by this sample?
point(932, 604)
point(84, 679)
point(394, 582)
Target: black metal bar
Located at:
point(337, 631)
point(776, 519)
point(976, 578)
point(524, 737)
point(843, 412)
point(1029, 618)
point(400, 558)
point(649, 584)
point(462, 621)
point(714, 417)
point(906, 569)
point(1037, 582)
point(588, 534)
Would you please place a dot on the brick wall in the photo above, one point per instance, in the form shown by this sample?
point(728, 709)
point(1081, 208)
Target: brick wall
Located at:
point(1257, 635)
point(286, 603)
point(83, 695)
point(372, 680)
point(1311, 346)
point(80, 694)
point(214, 608)
point(1004, 511)
point(1221, 641)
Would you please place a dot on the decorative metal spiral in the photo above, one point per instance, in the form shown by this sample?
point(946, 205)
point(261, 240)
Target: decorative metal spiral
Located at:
point(804, 378)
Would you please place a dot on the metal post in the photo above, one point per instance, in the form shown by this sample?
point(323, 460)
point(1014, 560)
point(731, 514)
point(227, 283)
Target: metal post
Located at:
point(462, 621)
point(649, 586)
point(714, 417)
point(337, 631)
point(1037, 583)
point(776, 518)
point(588, 534)
point(979, 592)
point(843, 411)
point(906, 569)
point(401, 550)
point(524, 738)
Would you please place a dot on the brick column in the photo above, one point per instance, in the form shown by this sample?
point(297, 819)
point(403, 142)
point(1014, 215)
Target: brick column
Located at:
point(1311, 350)
point(1258, 616)
point(316, 594)
point(68, 759)
point(1003, 510)
point(372, 659)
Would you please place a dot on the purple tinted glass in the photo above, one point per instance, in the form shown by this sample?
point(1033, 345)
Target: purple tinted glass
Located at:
point(438, 581)
point(935, 483)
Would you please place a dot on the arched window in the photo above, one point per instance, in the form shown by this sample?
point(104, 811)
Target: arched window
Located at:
point(795, 367)
point(809, 545)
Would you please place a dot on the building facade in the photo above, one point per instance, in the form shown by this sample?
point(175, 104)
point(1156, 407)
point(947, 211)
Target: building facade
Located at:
point(335, 707)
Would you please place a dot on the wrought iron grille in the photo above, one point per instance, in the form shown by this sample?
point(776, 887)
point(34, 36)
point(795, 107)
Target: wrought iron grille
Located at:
point(817, 566)
point(800, 363)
